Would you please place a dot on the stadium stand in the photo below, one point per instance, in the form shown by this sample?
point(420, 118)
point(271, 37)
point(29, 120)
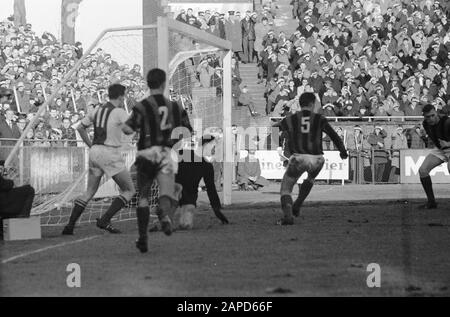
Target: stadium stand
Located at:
point(366, 60)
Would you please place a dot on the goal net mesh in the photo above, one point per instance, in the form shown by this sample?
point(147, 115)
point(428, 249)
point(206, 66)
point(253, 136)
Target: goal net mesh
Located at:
point(59, 173)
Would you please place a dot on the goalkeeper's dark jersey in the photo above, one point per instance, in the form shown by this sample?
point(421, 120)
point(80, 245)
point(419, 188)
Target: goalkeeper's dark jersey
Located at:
point(155, 118)
point(304, 133)
point(441, 131)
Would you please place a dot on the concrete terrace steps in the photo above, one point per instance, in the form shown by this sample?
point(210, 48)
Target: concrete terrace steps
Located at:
point(249, 72)
point(249, 76)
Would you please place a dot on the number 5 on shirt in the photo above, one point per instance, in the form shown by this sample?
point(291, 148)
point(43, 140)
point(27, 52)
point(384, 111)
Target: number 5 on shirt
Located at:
point(306, 125)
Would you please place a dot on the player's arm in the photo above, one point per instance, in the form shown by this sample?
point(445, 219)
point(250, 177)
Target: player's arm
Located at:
point(83, 126)
point(446, 144)
point(208, 177)
point(336, 139)
point(131, 125)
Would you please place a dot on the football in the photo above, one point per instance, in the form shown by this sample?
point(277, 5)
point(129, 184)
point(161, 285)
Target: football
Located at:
point(186, 221)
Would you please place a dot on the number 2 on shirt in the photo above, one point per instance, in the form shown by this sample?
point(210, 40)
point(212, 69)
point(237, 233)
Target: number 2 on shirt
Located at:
point(306, 124)
point(164, 113)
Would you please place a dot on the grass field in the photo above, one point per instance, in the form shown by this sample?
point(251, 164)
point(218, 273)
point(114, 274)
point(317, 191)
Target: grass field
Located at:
point(326, 253)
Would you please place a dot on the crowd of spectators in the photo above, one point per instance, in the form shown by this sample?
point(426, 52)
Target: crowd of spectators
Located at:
point(31, 68)
point(362, 58)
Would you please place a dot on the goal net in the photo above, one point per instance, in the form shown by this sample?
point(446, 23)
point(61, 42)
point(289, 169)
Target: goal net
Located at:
point(196, 75)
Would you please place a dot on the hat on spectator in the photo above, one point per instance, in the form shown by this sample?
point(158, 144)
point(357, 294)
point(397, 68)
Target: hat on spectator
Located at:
point(357, 127)
point(229, 12)
point(395, 88)
point(378, 127)
point(328, 105)
point(415, 99)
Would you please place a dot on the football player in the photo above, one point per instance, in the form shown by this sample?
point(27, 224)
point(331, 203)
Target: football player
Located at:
point(303, 131)
point(105, 157)
point(156, 118)
point(438, 130)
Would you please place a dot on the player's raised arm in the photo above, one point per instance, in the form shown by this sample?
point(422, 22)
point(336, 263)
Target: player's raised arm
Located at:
point(328, 129)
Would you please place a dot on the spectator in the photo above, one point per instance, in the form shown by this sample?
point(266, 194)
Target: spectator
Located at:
point(246, 100)
point(248, 36)
point(9, 129)
point(68, 134)
point(205, 72)
point(380, 156)
point(234, 33)
point(355, 144)
point(399, 142)
point(249, 173)
point(416, 138)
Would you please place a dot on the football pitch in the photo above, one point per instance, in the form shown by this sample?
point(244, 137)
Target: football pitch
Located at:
point(326, 253)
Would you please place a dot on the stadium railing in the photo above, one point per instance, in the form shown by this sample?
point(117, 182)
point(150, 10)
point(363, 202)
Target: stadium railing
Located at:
point(367, 119)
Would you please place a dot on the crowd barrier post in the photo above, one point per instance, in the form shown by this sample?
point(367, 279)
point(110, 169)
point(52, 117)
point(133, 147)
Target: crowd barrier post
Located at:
point(16, 96)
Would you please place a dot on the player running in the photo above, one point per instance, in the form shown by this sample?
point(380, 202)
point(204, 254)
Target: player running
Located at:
point(156, 118)
point(438, 130)
point(303, 131)
point(105, 158)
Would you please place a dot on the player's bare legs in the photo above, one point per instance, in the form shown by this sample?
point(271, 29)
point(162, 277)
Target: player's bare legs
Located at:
point(431, 162)
point(94, 178)
point(168, 201)
point(290, 178)
point(306, 187)
point(143, 216)
point(127, 191)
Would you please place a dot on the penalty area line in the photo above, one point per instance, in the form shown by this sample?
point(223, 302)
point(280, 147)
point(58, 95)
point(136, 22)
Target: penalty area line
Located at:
point(26, 254)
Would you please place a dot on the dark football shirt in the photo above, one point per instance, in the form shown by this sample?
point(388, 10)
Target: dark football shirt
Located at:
point(441, 131)
point(155, 118)
point(304, 133)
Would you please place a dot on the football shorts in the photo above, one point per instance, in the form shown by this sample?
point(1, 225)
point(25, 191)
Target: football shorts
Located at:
point(106, 160)
point(443, 155)
point(301, 163)
point(163, 159)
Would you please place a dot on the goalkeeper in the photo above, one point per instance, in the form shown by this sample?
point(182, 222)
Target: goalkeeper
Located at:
point(193, 167)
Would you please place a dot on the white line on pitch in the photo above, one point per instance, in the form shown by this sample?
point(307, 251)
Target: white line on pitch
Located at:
point(23, 255)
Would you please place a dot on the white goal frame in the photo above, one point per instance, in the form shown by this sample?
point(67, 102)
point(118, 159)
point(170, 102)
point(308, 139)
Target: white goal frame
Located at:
point(163, 26)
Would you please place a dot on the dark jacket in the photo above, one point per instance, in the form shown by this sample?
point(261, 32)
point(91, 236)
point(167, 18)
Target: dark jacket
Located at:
point(248, 29)
point(5, 185)
point(6, 132)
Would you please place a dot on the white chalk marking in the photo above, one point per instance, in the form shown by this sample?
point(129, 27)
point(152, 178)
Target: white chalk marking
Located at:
point(23, 255)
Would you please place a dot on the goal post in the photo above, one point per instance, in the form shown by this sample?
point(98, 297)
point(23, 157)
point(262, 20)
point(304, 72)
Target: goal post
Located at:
point(180, 50)
point(165, 28)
